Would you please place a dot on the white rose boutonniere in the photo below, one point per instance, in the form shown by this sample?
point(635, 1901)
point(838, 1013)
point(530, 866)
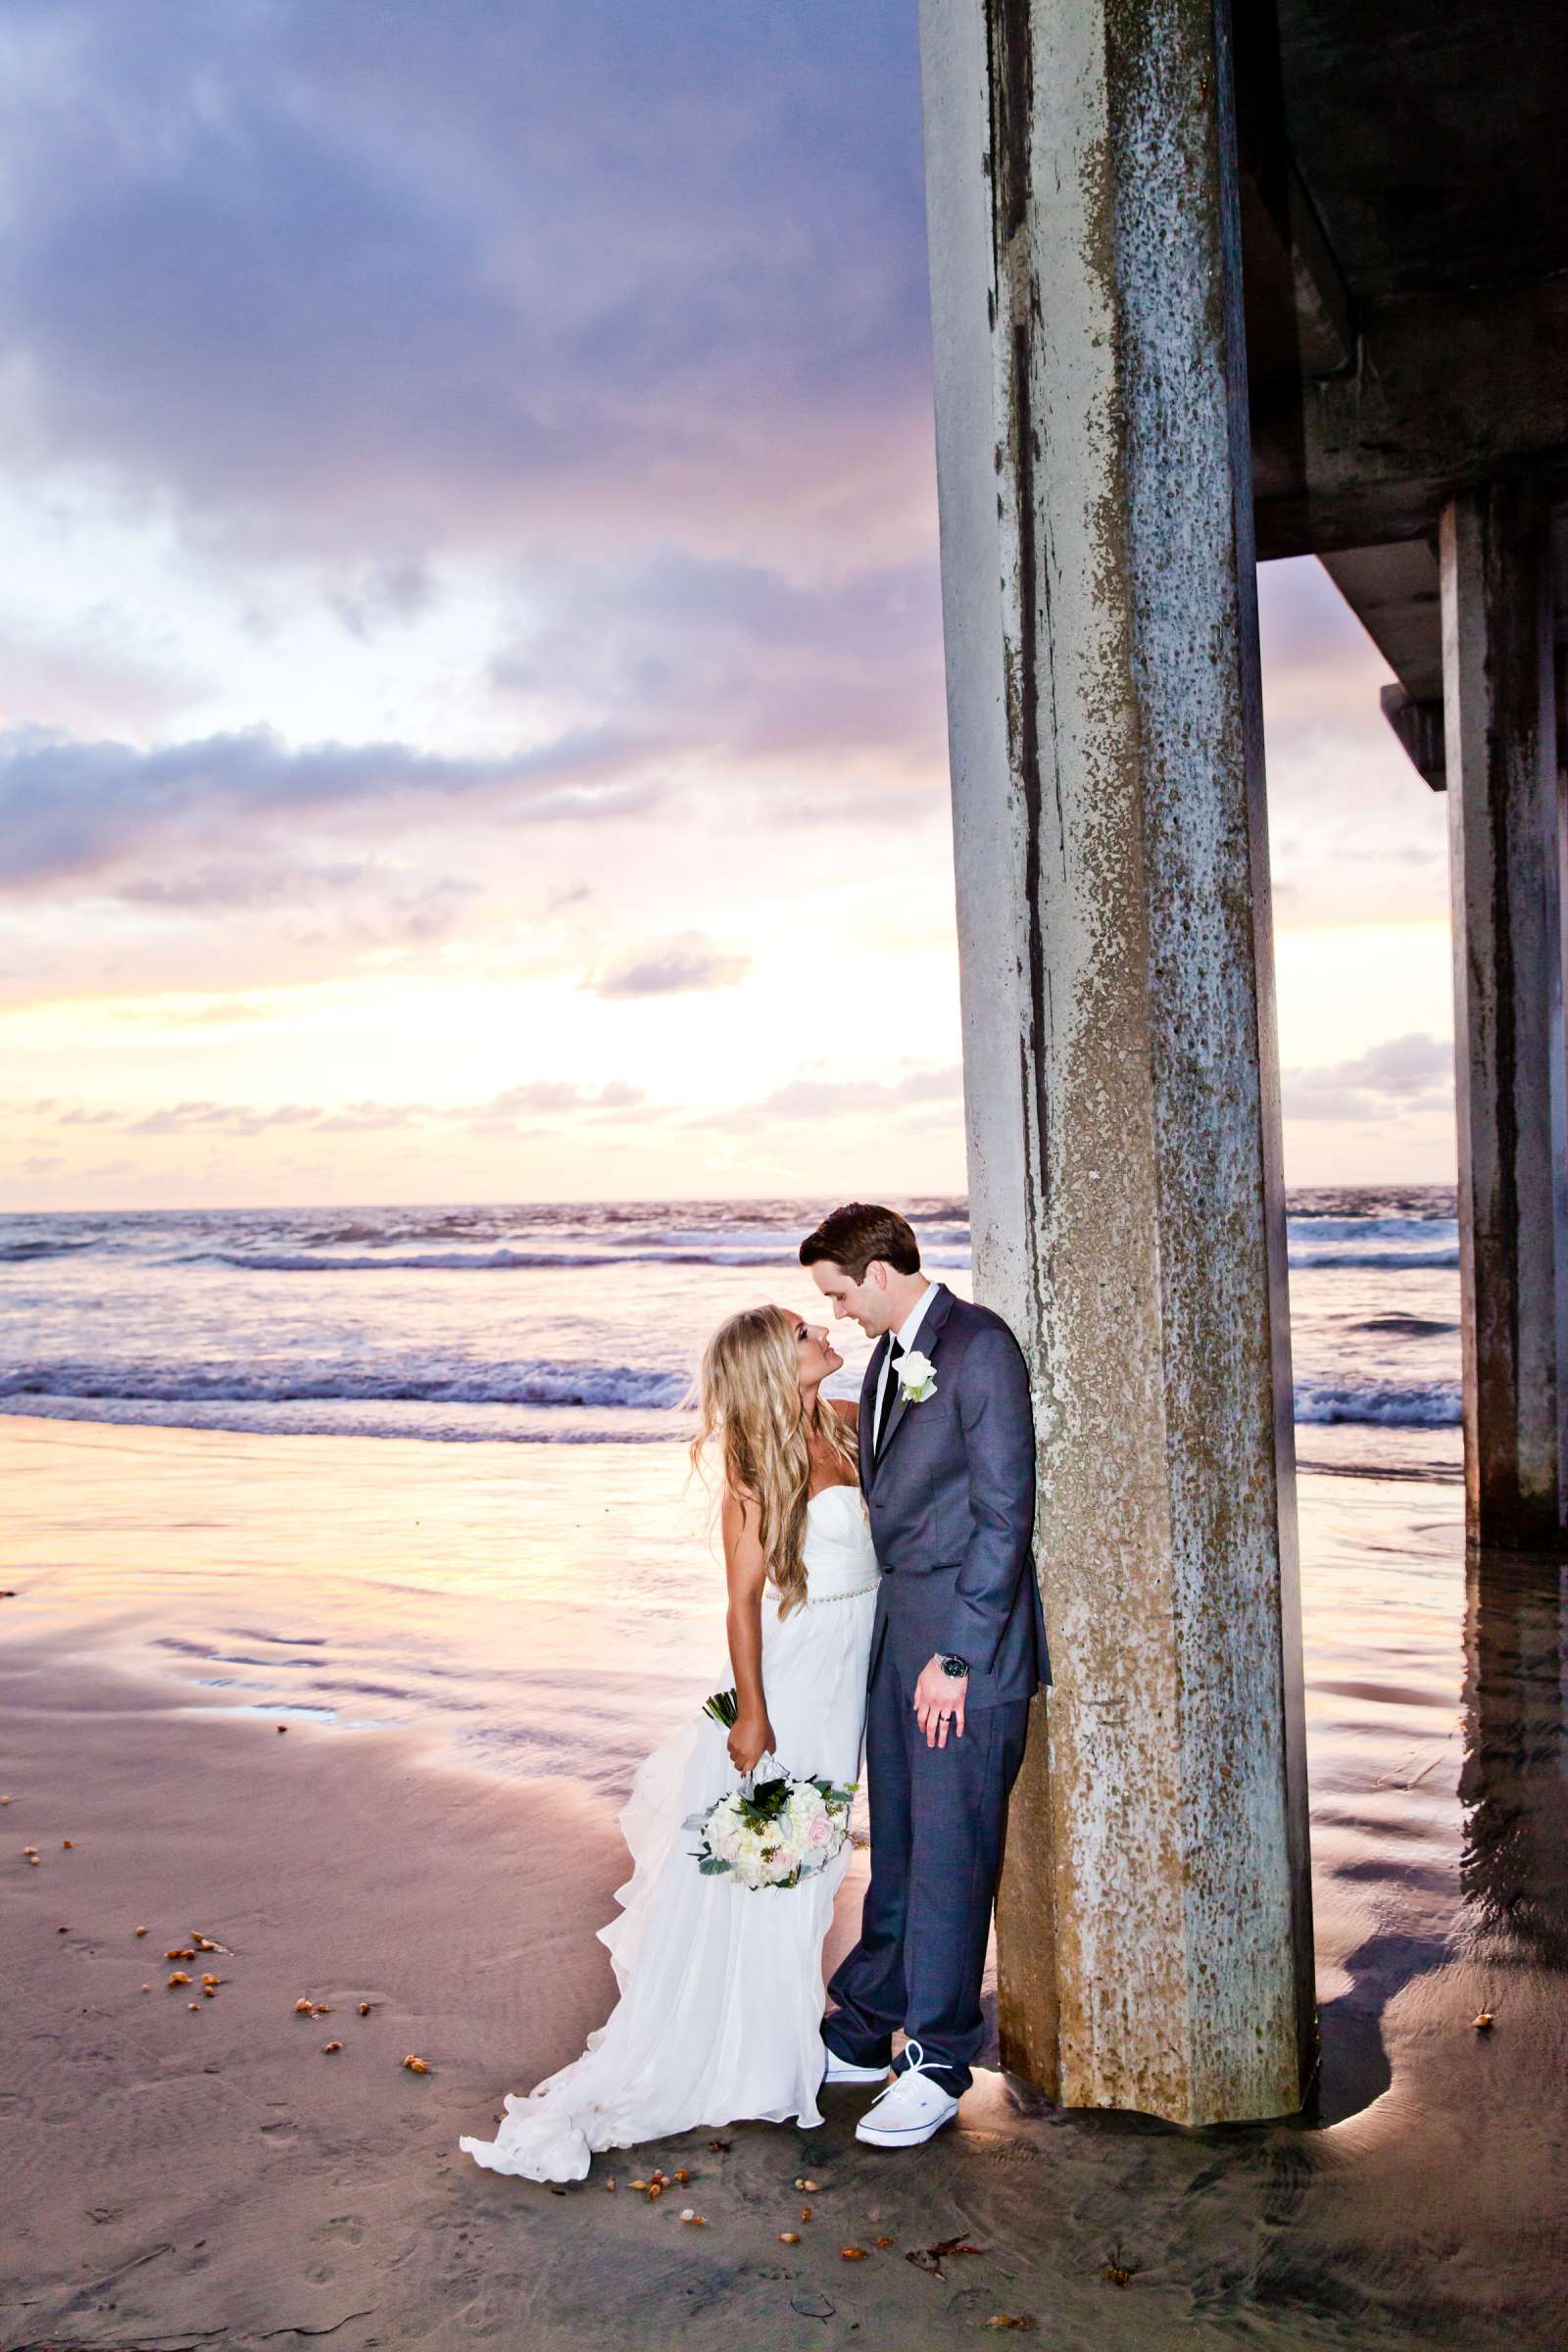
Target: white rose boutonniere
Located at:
point(918, 1377)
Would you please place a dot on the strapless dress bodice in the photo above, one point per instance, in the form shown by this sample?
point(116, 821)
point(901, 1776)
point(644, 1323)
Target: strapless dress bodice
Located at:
point(839, 1553)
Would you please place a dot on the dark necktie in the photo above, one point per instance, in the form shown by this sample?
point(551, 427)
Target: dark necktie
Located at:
point(890, 1395)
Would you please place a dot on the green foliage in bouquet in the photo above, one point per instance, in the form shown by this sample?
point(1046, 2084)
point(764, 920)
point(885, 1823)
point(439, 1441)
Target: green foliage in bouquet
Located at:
point(761, 1806)
point(723, 1706)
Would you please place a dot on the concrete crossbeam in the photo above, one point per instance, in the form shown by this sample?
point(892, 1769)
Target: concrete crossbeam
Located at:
point(1116, 977)
point(1419, 729)
point(1452, 389)
point(1393, 593)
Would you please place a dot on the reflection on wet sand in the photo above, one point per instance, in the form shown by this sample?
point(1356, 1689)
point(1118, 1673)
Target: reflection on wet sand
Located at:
point(1442, 2199)
point(1514, 1785)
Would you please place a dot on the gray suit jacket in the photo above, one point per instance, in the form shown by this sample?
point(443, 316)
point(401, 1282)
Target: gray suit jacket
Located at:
point(952, 1500)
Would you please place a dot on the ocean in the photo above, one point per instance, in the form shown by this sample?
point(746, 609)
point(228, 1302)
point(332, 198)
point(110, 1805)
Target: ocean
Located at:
point(581, 1325)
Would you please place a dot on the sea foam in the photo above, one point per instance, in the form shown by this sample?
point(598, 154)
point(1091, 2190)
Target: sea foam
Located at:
point(539, 1383)
point(1386, 1405)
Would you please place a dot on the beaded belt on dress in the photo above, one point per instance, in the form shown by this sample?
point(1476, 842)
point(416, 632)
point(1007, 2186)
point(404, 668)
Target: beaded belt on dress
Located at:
point(854, 1593)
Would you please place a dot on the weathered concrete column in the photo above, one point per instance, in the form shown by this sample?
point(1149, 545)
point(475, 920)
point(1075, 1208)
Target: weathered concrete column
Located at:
point(1105, 740)
point(1506, 838)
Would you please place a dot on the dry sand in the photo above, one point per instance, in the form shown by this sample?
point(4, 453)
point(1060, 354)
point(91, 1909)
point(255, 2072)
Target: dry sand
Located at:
point(177, 2178)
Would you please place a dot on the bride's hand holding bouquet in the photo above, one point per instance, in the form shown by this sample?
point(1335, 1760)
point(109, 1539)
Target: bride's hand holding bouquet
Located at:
point(751, 1735)
point(749, 1742)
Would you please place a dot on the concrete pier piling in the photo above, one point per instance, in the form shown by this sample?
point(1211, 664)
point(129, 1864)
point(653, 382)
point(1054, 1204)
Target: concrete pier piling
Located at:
point(1507, 851)
point(1114, 913)
point(1411, 428)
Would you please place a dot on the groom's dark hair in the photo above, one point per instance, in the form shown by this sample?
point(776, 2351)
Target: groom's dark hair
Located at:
point(853, 1236)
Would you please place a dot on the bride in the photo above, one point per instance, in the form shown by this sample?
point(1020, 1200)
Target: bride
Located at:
point(722, 1997)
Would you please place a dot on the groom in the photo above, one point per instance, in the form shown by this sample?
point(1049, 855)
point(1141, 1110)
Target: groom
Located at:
point(947, 1465)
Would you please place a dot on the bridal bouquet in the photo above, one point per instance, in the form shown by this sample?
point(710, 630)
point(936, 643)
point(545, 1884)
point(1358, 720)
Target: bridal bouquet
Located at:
point(773, 1833)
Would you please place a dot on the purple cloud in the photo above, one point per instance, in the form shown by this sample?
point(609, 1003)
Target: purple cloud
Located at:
point(552, 1097)
point(738, 662)
point(1402, 1074)
point(71, 810)
point(326, 283)
point(908, 1099)
point(672, 968)
point(534, 1099)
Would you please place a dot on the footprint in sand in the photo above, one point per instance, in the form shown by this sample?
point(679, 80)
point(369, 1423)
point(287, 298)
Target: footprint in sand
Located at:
point(493, 2311)
point(349, 2227)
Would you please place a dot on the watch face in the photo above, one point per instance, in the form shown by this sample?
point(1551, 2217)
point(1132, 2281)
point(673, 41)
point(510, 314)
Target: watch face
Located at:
point(955, 1667)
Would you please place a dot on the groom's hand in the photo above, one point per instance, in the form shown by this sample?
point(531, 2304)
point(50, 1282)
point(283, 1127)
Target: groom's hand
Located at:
point(939, 1699)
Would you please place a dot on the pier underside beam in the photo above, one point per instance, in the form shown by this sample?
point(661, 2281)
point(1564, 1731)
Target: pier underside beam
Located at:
point(1451, 390)
point(1117, 972)
point(1507, 833)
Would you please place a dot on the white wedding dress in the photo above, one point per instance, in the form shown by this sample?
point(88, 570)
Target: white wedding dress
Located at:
point(721, 1993)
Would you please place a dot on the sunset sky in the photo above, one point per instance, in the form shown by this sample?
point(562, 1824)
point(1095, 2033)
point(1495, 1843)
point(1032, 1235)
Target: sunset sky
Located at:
point(469, 642)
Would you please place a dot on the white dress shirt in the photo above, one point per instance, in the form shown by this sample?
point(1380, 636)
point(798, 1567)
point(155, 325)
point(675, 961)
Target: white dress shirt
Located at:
point(904, 1335)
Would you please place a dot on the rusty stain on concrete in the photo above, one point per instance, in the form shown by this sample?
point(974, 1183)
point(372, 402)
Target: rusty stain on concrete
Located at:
point(1122, 1181)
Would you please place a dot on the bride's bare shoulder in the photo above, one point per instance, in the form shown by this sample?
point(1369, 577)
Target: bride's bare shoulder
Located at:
point(846, 1411)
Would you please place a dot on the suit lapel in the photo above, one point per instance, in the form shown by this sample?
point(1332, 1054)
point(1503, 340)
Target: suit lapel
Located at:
point(925, 1343)
point(868, 1385)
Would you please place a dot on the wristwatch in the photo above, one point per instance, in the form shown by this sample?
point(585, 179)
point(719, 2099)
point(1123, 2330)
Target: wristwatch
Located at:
point(956, 1666)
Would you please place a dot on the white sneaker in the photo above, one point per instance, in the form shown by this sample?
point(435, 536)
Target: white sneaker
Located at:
point(911, 2108)
point(840, 2070)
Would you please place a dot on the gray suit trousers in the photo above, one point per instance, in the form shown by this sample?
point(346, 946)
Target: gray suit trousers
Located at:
point(938, 1822)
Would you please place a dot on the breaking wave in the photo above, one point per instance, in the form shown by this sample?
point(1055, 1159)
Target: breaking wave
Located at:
point(1390, 1404)
point(18, 1254)
point(471, 1261)
point(606, 1386)
point(489, 1261)
point(1389, 1262)
point(541, 1383)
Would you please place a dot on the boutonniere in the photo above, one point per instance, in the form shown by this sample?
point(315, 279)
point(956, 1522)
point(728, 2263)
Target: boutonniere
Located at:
point(918, 1376)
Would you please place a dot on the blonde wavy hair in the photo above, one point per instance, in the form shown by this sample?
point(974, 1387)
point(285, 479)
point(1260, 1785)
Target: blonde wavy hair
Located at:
point(749, 1404)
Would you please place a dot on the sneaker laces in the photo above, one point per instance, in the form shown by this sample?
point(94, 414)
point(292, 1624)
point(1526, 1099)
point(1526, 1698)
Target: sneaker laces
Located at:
point(919, 2065)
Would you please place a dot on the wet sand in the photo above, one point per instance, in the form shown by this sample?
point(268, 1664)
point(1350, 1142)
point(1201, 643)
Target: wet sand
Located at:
point(176, 2178)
